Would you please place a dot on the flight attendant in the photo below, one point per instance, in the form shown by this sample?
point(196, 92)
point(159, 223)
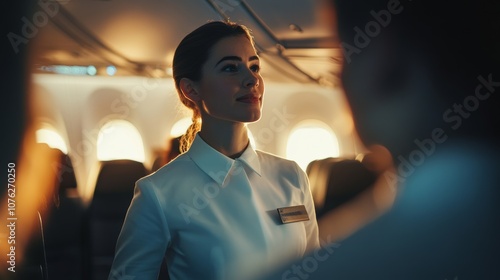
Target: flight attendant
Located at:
point(221, 208)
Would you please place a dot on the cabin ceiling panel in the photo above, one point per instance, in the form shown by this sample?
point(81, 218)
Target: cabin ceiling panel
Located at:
point(139, 37)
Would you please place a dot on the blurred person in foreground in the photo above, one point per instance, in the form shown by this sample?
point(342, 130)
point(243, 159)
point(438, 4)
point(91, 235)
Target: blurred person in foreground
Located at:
point(27, 177)
point(422, 80)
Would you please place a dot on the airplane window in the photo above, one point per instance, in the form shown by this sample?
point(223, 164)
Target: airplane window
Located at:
point(311, 140)
point(52, 138)
point(119, 139)
point(180, 127)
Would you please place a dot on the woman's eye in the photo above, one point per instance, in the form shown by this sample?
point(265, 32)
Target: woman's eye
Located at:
point(255, 68)
point(230, 68)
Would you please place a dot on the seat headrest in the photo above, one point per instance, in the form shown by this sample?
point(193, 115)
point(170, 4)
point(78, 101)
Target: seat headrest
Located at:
point(117, 176)
point(66, 174)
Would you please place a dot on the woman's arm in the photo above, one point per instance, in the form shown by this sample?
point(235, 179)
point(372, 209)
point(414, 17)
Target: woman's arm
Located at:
point(144, 237)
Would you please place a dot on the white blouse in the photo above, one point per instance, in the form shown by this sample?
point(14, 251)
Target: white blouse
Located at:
point(214, 217)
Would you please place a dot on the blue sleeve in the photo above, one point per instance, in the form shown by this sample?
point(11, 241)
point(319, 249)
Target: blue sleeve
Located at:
point(144, 237)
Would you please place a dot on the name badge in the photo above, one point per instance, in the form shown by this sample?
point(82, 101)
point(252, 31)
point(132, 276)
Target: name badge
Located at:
point(293, 214)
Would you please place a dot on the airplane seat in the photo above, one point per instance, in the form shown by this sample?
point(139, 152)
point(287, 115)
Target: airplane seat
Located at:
point(159, 161)
point(64, 225)
point(113, 193)
point(34, 265)
point(312, 171)
point(345, 180)
point(165, 156)
point(317, 172)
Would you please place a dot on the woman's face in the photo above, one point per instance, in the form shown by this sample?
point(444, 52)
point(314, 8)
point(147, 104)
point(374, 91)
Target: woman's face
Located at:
point(231, 87)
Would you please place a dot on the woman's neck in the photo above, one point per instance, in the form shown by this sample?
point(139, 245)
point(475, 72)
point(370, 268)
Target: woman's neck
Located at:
point(230, 140)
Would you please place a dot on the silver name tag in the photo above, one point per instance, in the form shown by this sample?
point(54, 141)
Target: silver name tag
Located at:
point(293, 214)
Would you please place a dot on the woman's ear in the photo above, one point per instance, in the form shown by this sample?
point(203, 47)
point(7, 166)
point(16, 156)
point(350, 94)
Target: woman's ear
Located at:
point(189, 89)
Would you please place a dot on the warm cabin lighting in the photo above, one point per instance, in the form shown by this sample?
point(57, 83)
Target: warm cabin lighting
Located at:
point(51, 138)
point(311, 140)
point(119, 139)
point(169, 71)
point(252, 139)
point(180, 127)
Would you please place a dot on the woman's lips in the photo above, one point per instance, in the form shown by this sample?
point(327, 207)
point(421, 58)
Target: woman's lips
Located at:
point(249, 98)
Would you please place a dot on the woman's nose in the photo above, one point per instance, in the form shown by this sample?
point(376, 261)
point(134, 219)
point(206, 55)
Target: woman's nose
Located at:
point(251, 80)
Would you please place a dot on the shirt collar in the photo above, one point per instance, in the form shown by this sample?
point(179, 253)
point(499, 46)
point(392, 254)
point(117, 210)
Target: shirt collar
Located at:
point(215, 164)
point(251, 159)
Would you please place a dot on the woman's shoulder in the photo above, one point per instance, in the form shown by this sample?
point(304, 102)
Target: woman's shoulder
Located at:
point(266, 157)
point(269, 161)
point(181, 165)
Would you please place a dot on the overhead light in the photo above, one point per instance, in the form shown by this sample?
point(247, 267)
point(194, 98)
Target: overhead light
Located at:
point(69, 69)
point(111, 70)
point(91, 70)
